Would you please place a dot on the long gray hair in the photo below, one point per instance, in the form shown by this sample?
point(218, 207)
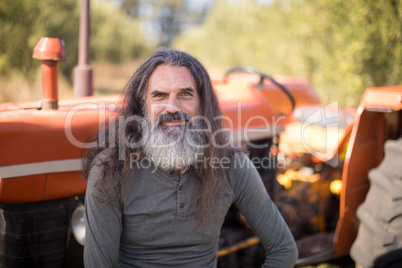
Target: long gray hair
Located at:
point(132, 102)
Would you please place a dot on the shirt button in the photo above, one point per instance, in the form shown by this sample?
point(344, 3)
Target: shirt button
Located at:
point(180, 187)
point(172, 172)
point(181, 205)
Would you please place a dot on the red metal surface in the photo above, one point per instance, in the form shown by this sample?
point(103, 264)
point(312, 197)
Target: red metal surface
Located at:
point(37, 136)
point(41, 187)
point(246, 112)
point(262, 112)
point(300, 88)
point(365, 152)
point(50, 72)
point(49, 49)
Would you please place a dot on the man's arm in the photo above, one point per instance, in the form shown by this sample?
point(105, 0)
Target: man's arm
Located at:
point(103, 226)
point(263, 216)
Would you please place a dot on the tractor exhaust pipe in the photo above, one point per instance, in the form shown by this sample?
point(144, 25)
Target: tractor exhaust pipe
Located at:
point(50, 51)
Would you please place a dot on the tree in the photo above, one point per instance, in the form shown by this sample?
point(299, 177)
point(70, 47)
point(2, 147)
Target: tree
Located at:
point(164, 20)
point(342, 46)
point(115, 35)
point(24, 22)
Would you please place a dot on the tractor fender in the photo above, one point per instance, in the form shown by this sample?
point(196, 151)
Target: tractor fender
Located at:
point(380, 215)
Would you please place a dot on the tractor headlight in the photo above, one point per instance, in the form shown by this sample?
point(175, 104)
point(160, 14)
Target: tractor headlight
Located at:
point(78, 224)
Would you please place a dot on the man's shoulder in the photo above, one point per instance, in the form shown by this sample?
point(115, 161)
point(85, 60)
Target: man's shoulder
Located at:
point(240, 161)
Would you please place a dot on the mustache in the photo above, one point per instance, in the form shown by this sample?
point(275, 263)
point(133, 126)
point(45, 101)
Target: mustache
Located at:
point(172, 116)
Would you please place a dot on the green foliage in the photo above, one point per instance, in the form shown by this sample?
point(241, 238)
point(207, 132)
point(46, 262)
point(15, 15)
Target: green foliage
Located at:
point(358, 45)
point(232, 34)
point(115, 35)
point(342, 46)
point(24, 22)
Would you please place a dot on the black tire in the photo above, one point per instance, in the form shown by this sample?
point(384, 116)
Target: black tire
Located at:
point(380, 215)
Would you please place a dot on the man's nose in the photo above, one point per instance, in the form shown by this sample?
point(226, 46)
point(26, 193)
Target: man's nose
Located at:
point(172, 105)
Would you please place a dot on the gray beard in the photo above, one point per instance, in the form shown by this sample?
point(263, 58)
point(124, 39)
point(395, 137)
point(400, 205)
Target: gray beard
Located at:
point(176, 147)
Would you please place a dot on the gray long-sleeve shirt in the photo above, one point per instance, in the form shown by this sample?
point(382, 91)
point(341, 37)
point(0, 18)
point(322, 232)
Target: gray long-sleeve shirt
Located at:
point(155, 224)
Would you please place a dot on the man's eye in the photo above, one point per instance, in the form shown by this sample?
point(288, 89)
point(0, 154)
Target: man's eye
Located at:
point(186, 94)
point(159, 95)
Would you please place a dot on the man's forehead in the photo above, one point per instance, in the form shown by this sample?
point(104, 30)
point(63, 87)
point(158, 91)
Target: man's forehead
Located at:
point(167, 77)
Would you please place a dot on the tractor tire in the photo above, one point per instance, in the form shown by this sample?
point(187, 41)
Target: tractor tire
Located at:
point(379, 239)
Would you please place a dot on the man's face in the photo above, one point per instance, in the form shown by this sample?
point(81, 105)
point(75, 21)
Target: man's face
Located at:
point(172, 101)
point(171, 89)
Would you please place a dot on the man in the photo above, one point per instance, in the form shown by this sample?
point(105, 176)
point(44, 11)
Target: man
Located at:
point(159, 191)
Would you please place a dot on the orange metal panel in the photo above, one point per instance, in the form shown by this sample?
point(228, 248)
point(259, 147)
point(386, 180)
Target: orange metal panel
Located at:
point(36, 135)
point(367, 147)
point(42, 187)
point(49, 49)
point(22, 189)
point(248, 107)
point(245, 109)
point(32, 136)
point(383, 97)
point(365, 152)
point(301, 90)
point(66, 184)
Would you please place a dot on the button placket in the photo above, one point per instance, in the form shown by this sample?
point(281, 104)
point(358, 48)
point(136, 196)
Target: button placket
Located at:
point(181, 198)
point(180, 214)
